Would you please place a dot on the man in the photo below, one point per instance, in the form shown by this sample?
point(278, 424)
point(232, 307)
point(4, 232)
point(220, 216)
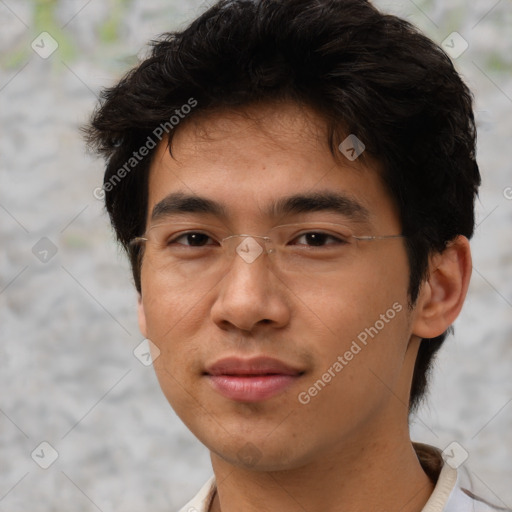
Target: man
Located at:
point(294, 182)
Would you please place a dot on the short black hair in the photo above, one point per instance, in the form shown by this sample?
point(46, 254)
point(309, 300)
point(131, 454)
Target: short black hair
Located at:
point(364, 72)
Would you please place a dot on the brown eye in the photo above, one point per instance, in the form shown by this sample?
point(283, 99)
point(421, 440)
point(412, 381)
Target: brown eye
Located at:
point(192, 239)
point(318, 239)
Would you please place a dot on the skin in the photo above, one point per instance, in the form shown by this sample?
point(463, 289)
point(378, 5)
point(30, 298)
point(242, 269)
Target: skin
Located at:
point(349, 447)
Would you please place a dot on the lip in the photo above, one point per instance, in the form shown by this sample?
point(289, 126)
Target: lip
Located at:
point(251, 380)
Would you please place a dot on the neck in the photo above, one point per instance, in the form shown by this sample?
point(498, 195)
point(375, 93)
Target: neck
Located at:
point(382, 475)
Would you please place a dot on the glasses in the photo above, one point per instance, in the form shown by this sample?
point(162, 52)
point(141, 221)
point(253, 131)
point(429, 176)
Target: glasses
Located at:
point(196, 251)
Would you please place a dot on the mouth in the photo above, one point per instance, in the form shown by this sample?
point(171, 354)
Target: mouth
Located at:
point(251, 380)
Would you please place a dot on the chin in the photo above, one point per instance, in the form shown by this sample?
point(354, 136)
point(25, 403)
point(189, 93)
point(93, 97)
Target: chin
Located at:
point(252, 454)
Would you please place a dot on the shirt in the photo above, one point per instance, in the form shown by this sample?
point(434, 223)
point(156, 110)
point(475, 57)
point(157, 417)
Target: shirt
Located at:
point(452, 491)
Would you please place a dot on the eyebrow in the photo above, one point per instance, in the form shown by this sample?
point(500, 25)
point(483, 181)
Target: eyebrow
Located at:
point(319, 202)
point(181, 203)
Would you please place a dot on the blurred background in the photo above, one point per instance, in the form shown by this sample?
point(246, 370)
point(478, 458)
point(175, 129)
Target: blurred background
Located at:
point(68, 373)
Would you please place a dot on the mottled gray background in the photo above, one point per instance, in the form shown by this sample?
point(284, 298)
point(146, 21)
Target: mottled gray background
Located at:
point(68, 328)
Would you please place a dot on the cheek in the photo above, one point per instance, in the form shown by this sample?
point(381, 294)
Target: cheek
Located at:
point(344, 303)
point(383, 300)
point(169, 307)
point(173, 319)
point(362, 316)
point(357, 371)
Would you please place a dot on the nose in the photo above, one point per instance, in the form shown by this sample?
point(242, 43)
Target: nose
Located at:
point(250, 295)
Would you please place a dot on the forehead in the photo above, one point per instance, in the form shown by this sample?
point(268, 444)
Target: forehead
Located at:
point(250, 159)
point(258, 131)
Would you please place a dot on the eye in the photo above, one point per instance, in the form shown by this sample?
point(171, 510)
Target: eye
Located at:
point(192, 239)
point(319, 239)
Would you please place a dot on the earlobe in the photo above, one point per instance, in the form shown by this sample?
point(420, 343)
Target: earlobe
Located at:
point(141, 317)
point(443, 293)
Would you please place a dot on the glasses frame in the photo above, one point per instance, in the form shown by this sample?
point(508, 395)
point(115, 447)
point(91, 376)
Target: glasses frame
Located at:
point(266, 238)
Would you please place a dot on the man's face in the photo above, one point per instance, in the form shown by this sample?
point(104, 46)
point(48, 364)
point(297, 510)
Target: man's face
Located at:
point(213, 329)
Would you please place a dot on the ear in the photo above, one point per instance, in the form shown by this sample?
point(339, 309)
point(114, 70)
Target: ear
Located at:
point(141, 317)
point(443, 293)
